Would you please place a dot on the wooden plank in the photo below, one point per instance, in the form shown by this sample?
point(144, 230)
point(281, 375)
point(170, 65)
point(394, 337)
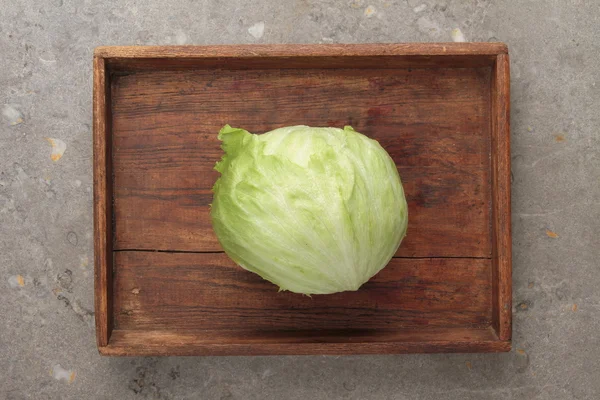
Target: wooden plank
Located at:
point(501, 213)
point(196, 291)
point(299, 50)
point(171, 343)
point(418, 55)
point(130, 65)
point(102, 205)
point(434, 123)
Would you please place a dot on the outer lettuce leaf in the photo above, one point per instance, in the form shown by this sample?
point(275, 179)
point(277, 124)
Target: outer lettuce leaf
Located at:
point(312, 210)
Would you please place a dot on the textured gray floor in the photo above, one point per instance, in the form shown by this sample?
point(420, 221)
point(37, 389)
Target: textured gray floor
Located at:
point(47, 333)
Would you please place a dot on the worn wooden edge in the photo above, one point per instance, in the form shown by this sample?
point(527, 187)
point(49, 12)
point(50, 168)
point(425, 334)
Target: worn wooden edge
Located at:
point(300, 50)
point(136, 343)
point(103, 255)
point(162, 343)
point(501, 207)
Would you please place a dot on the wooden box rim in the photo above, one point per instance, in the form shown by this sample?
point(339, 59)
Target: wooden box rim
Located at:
point(495, 338)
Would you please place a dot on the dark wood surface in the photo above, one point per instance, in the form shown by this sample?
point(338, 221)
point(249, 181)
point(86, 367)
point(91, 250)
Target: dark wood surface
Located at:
point(446, 126)
point(208, 342)
point(434, 122)
point(157, 290)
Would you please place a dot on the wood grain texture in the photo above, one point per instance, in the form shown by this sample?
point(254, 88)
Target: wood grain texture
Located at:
point(434, 123)
point(171, 343)
point(441, 111)
point(191, 292)
point(102, 205)
point(501, 214)
point(299, 50)
point(365, 56)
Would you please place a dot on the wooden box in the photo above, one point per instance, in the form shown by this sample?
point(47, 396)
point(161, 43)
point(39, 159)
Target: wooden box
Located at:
point(163, 286)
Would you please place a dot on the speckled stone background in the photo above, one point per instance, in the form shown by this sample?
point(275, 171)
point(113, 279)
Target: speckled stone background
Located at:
point(47, 340)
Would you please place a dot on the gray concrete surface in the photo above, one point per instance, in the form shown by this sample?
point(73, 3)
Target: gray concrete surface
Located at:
point(47, 348)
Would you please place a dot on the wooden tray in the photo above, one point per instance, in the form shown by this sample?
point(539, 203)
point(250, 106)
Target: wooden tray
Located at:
point(163, 285)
